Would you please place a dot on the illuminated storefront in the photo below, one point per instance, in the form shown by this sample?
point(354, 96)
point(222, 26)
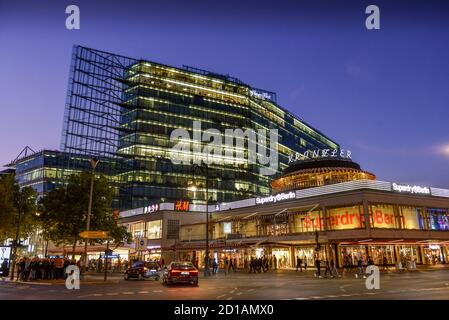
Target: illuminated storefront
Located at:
point(345, 222)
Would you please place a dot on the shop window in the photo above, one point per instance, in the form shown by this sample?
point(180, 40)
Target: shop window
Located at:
point(154, 229)
point(437, 219)
point(411, 218)
point(344, 218)
point(308, 221)
point(382, 216)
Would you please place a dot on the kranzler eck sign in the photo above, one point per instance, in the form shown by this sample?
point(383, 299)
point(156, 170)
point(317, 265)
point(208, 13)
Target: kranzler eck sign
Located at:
point(410, 189)
point(273, 199)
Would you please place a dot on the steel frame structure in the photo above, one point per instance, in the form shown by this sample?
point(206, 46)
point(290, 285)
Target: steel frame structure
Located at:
point(94, 102)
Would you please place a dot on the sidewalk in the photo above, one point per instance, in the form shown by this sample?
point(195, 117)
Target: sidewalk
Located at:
point(90, 278)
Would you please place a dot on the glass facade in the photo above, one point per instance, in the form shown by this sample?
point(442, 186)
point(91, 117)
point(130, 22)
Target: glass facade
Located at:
point(348, 217)
point(123, 111)
point(383, 216)
point(150, 229)
point(142, 102)
point(46, 170)
point(160, 99)
point(411, 218)
point(344, 218)
point(437, 219)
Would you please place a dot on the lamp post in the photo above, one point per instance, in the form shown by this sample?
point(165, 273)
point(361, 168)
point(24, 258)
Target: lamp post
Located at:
point(93, 165)
point(207, 253)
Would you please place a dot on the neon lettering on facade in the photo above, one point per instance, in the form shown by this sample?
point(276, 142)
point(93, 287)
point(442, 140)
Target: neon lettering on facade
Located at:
point(279, 197)
point(151, 208)
point(410, 189)
point(320, 154)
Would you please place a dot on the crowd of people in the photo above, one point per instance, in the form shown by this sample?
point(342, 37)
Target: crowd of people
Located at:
point(43, 268)
point(54, 268)
point(231, 264)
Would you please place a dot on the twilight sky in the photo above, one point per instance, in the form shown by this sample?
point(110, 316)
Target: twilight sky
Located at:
point(384, 93)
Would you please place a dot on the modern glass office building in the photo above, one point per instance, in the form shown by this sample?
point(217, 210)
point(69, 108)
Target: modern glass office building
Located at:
point(124, 110)
point(46, 170)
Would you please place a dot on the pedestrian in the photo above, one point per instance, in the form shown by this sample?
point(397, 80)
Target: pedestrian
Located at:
point(318, 267)
point(43, 268)
point(26, 269)
point(327, 269)
point(206, 266)
point(298, 264)
point(334, 269)
point(251, 265)
point(20, 267)
point(265, 264)
point(5, 268)
point(275, 262)
point(52, 269)
point(67, 262)
point(231, 265)
point(385, 262)
point(226, 264)
point(162, 262)
point(33, 268)
point(214, 266)
point(58, 266)
point(360, 268)
point(304, 259)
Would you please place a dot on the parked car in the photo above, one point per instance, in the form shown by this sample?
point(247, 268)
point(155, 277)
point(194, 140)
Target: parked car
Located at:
point(143, 270)
point(180, 272)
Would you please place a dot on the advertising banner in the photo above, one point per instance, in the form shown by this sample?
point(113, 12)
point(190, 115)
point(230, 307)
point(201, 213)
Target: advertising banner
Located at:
point(346, 218)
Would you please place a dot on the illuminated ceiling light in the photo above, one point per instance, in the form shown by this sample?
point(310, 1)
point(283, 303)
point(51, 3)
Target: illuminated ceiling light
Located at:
point(400, 240)
point(366, 240)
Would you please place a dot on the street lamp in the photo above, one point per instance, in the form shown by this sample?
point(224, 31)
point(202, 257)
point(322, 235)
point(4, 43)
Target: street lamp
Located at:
point(93, 165)
point(194, 188)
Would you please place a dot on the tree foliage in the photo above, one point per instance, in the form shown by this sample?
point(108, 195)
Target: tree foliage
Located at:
point(15, 200)
point(63, 211)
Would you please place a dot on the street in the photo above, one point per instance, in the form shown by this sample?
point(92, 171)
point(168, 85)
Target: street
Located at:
point(286, 284)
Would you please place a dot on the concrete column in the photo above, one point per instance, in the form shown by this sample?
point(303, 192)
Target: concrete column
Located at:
point(366, 215)
point(292, 256)
point(324, 215)
point(421, 253)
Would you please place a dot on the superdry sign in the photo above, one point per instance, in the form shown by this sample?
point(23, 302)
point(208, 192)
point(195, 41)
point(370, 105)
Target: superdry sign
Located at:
point(410, 189)
point(279, 197)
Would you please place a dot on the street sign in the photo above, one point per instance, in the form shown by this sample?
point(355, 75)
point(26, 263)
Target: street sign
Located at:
point(94, 234)
point(141, 244)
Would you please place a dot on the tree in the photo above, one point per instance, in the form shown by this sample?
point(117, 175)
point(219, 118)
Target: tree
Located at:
point(63, 211)
point(17, 209)
point(7, 208)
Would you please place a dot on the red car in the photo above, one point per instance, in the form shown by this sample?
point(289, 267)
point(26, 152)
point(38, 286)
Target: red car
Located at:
point(180, 272)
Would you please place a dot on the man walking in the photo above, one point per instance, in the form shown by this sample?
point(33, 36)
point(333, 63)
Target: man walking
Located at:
point(327, 268)
point(231, 265)
point(298, 264)
point(59, 265)
point(318, 267)
point(334, 269)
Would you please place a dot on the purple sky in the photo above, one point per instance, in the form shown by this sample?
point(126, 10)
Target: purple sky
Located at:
point(384, 94)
